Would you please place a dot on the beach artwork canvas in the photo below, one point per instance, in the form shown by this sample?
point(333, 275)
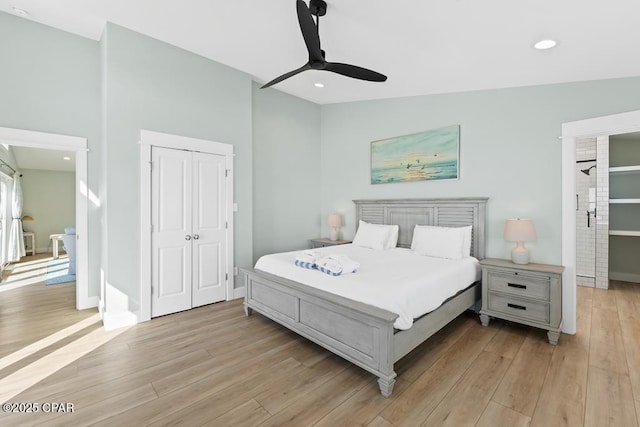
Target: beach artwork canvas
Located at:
point(423, 156)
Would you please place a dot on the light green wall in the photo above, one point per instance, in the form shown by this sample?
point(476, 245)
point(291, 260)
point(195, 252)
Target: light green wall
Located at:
point(286, 172)
point(50, 198)
point(510, 151)
point(624, 251)
point(50, 82)
point(155, 86)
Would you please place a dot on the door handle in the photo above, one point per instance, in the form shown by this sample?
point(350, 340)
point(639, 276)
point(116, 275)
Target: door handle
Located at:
point(196, 237)
point(187, 237)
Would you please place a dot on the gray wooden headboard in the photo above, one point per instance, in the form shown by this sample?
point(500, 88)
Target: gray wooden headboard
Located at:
point(445, 212)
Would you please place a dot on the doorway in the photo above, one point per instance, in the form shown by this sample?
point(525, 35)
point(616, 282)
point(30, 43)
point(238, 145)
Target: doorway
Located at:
point(571, 133)
point(149, 141)
point(50, 141)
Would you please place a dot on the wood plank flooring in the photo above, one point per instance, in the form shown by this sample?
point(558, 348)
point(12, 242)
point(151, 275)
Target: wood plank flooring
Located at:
point(214, 366)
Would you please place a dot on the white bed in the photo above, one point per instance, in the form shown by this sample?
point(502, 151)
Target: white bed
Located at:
point(362, 331)
point(397, 280)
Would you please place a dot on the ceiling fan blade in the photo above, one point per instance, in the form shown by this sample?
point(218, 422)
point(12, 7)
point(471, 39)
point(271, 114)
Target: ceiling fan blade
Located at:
point(355, 72)
point(309, 31)
point(286, 76)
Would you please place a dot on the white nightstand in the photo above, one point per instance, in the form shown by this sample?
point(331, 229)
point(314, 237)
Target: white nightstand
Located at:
point(29, 249)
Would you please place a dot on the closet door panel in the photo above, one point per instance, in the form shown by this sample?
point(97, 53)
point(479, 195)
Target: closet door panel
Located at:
point(210, 222)
point(207, 279)
point(171, 198)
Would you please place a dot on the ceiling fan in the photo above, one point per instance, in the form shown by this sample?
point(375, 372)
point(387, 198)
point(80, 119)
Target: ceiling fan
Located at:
point(311, 35)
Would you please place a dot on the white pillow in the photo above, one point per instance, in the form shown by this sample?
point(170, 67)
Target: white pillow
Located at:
point(442, 242)
point(376, 236)
point(393, 236)
point(466, 243)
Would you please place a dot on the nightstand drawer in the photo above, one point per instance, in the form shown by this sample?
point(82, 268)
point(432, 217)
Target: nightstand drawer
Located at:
point(522, 285)
point(531, 310)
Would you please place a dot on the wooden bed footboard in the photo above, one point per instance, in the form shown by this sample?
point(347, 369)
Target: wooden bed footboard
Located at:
point(359, 333)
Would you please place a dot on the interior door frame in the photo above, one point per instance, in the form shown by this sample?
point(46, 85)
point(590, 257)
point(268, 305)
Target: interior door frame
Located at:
point(572, 131)
point(148, 140)
point(52, 141)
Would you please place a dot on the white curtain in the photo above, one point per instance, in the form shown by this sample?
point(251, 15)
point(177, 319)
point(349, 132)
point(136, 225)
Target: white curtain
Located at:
point(16, 239)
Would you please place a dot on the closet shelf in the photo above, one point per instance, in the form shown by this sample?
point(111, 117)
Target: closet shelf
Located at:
point(624, 233)
point(624, 201)
point(624, 169)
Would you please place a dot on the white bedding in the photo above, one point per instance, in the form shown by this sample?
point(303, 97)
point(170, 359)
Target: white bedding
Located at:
point(397, 280)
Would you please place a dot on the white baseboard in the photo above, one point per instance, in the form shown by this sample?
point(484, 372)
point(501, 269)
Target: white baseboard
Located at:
point(238, 293)
point(48, 251)
point(113, 321)
point(624, 277)
point(89, 302)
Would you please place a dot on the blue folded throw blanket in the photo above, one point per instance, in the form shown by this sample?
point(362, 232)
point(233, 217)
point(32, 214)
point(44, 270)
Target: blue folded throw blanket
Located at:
point(333, 265)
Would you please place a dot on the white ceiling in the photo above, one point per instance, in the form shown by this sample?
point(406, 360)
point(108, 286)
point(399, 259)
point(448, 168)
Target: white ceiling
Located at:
point(424, 47)
point(41, 159)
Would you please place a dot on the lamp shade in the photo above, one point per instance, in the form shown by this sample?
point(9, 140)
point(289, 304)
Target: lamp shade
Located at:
point(27, 218)
point(519, 230)
point(334, 220)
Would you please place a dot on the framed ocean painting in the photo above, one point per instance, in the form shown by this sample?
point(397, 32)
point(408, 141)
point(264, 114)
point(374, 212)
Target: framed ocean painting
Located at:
point(423, 156)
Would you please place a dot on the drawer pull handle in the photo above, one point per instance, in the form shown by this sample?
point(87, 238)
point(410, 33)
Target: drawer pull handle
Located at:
point(516, 285)
point(519, 307)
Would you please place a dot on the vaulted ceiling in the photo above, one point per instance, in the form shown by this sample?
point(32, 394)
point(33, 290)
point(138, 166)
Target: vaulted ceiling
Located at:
point(423, 46)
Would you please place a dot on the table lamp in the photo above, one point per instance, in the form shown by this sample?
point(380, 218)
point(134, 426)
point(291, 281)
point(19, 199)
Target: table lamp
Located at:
point(519, 230)
point(26, 218)
point(335, 222)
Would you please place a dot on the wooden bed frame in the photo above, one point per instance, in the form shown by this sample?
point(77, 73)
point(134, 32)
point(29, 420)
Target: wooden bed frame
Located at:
point(358, 332)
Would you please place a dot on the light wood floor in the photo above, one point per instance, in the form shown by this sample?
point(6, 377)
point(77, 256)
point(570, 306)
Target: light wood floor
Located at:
point(214, 366)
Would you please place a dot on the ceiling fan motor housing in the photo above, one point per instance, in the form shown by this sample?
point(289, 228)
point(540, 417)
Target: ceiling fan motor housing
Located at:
point(318, 7)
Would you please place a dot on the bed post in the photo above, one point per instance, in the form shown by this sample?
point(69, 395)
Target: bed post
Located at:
point(386, 374)
point(247, 292)
point(386, 385)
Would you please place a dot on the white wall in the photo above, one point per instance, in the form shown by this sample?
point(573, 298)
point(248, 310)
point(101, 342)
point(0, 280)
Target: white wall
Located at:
point(50, 198)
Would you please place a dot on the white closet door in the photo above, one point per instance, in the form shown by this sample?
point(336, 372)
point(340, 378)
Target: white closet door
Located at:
point(209, 229)
point(172, 201)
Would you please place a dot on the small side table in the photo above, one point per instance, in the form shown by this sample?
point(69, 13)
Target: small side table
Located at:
point(530, 294)
point(322, 242)
point(55, 238)
point(29, 235)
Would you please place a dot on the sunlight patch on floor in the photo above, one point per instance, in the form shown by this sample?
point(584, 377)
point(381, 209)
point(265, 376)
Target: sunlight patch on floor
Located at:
point(47, 341)
point(27, 273)
point(19, 381)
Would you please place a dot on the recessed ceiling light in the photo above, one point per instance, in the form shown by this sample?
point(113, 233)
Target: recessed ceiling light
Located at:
point(545, 44)
point(67, 158)
point(20, 12)
point(318, 85)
